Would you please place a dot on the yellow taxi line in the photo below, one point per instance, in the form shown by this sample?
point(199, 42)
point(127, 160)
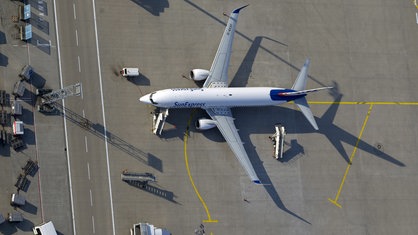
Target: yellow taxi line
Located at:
point(335, 201)
point(186, 135)
point(371, 103)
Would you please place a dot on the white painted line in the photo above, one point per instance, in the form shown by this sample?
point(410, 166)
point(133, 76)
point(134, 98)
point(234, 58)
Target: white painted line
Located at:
point(65, 120)
point(82, 95)
point(88, 170)
point(104, 118)
point(91, 199)
point(75, 16)
point(416, 16)
point(92, 222)
point(79, 65)
point(76, 37)
point(81, 90)
point(85, 140)
point(84, 115)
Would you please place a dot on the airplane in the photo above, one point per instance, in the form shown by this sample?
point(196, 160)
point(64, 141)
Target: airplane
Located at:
point(217, 98)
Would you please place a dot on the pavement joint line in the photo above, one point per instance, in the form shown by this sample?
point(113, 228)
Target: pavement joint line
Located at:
point(186, 160)
point(350, 163)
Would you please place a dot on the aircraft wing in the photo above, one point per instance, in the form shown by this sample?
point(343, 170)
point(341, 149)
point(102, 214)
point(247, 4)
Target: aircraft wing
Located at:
point(218, 74)
point(225, 123)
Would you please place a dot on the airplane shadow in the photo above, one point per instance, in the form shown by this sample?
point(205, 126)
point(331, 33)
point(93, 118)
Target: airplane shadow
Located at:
point(244, 71)
point(215, 135)
point(279, 58)
point(295, 124)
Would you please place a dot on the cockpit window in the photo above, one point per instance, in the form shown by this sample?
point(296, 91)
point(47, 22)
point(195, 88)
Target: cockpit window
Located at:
point(150, 98)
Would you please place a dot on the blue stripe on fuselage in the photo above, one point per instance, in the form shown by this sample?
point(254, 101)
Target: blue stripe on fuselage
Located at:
point(274, 95)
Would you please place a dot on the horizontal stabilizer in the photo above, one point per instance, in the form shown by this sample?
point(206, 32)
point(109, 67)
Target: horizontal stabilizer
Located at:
point(303, 92)
point(302, 103)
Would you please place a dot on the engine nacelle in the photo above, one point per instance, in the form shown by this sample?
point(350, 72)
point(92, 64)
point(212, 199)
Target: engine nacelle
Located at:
point(205, 124)
point(198, 74)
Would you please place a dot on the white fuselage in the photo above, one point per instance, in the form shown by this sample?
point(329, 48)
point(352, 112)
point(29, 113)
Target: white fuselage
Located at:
point(216, 97)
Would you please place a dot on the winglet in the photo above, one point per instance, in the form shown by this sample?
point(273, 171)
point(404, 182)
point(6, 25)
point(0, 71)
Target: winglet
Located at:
point(238, 9)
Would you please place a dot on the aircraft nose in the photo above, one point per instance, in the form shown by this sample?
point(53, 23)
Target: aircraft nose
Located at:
point(145, 99)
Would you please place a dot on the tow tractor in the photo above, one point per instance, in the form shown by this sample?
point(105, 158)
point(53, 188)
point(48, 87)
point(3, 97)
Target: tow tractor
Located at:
point(278, 141)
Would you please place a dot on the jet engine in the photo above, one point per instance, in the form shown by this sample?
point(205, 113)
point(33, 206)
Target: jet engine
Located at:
point(205, 124)
point(199, 74)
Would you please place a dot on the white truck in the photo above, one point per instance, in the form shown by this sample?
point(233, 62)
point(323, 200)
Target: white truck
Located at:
point(17, 200)
point(18, 128)
point(15, 217)
point(129, 72)
point(148, 229)
point(45, 229)
point(16, 107)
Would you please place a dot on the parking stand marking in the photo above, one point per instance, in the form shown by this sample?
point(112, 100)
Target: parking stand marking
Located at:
point(186, 135)
point(335, 201)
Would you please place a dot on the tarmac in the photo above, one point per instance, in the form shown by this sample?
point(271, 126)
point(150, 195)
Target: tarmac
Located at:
point(356, 175)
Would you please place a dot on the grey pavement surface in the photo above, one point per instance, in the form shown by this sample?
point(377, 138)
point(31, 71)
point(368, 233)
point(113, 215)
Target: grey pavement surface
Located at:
point(356, 175)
